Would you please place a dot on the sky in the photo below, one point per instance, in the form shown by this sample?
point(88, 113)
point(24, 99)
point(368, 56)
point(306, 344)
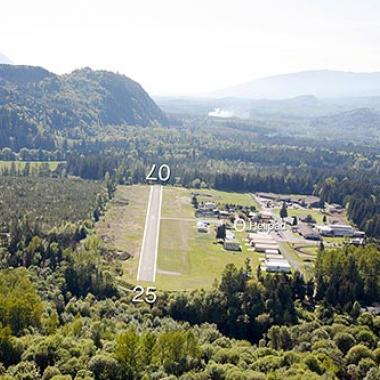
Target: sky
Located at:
point(189, 47)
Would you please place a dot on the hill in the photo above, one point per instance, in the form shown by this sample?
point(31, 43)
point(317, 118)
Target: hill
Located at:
point(305, 106)
point(36, 105)
point(361, 120)
point(322, 84)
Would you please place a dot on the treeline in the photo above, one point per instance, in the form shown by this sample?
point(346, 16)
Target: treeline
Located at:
point(346, 276)
point(360, 196)
point(244, 306)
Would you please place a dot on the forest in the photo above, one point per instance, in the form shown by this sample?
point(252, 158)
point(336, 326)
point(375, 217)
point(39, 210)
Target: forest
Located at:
point(222, 155)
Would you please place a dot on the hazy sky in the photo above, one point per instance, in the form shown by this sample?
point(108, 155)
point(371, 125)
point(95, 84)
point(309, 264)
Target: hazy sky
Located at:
point(192, 46)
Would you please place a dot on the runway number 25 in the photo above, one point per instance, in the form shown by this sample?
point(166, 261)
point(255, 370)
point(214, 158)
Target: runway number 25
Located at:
point(148, 295)
point(163, 173)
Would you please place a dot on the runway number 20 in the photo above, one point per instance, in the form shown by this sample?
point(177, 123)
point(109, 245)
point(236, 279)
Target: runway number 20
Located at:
point(163, 173)
point(148, 295)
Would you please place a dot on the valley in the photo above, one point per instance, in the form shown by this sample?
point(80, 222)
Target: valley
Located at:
point(253, 255)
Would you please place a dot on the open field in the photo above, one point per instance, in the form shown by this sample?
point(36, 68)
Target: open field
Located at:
point(302, 212)
point(316, 214)
point(176, 203)
point(33, 164)
point(244, 199)
point(123, 225)
point(188, 259)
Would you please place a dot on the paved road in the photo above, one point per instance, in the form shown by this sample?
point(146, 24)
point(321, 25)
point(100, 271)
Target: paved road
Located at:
point(149, 248)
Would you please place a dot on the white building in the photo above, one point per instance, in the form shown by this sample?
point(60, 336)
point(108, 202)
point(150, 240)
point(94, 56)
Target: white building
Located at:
point(273, 252)
point(265, 215)
point(275, 256)
point(277, 266)
point(336, 230)
point(263, 247)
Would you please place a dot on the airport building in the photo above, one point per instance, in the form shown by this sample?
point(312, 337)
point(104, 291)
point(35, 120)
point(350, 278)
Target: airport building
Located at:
point(277, 266)
point(264, 247)
point(338, 230)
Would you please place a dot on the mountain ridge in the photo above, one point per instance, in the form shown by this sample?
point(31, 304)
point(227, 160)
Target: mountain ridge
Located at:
point(319, 83)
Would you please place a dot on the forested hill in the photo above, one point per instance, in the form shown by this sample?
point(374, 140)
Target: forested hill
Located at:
point(36, 105)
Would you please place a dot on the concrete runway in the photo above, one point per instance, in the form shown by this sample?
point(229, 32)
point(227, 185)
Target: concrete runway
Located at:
point(149, 248)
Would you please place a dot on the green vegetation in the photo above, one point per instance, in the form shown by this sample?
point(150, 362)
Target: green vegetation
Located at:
point(21, 306)
point(348, 274)
point(188, 259)
point(34, 165)
point(301, 212)
point(226, 197)
point(38, 107)
point(48, 202)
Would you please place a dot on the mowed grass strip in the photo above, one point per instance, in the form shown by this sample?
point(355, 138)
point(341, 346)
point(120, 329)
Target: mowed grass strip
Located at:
point(124, 223)
point(176, 203)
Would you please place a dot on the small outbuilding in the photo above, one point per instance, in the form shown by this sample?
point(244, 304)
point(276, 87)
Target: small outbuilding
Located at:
point(232, 245)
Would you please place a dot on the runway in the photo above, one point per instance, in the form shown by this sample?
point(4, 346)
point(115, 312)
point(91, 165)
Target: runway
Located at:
point(149, 249)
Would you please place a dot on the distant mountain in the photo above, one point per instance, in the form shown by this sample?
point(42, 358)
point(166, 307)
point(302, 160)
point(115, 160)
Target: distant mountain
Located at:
point(305, 106)
point(5, 59)
point(322, 84)
point(37, 105)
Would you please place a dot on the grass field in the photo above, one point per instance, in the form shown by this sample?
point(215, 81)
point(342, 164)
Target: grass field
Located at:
point(123, 225)
point(33, 164)
point(316, 214)
point(176, 202)
point(188, 259)
point(244, 199)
